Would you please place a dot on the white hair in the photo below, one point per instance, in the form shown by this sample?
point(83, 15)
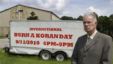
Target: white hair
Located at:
point(92, 14)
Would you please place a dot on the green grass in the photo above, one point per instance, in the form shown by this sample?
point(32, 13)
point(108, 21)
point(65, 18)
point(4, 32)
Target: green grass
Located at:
point(1, 37)
point(20, 59)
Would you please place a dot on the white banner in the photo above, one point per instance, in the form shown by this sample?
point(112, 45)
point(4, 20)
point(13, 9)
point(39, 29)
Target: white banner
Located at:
point(42, 34)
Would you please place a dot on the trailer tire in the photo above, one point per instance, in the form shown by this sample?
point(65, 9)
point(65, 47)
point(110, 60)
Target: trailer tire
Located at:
point(60, 56)
point(45, 55)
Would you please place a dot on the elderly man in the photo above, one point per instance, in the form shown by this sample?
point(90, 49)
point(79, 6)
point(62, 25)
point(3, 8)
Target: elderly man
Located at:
point(93, 47)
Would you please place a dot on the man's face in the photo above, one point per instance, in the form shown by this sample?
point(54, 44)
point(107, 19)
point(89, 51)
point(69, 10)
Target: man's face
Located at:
point(89, 24)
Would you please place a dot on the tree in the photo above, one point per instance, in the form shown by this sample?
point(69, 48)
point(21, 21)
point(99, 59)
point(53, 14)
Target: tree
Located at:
point(33, 16)
point(111, 17)
point(111, 25)
point(80, 18)
point(66, 18)
point(105, 25)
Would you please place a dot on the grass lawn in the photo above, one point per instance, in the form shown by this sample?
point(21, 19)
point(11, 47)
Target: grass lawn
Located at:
point(20, 59)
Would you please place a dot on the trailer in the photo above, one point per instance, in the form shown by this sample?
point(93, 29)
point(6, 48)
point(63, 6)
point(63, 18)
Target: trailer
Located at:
point(45, 38)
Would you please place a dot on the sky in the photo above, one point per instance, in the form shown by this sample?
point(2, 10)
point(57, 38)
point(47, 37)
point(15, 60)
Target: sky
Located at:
point(73, 8)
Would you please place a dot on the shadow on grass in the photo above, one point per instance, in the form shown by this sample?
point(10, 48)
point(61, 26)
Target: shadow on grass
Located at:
point(10, 58)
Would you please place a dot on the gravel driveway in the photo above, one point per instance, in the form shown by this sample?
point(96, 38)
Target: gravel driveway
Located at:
point(4, 42)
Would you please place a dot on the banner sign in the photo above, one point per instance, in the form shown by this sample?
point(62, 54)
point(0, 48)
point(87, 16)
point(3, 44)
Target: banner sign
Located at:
point(42, 34)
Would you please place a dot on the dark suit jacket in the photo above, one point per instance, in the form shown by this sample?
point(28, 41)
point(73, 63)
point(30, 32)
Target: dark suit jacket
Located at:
point(97, 52)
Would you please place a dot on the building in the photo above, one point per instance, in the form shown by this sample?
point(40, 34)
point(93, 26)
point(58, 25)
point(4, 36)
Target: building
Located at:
point(22, 12)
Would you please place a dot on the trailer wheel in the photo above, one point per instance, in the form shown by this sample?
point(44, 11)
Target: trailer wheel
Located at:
point(45, 55)
point(60, 56)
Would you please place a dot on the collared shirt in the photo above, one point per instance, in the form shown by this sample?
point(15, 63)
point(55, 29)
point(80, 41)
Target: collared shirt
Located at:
point(90, 38)
point(93, 35)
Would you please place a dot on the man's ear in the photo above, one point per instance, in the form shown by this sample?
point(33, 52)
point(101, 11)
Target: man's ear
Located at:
point(96, 23)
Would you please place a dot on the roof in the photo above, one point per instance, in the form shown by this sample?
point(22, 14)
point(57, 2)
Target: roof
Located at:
point(32, 8)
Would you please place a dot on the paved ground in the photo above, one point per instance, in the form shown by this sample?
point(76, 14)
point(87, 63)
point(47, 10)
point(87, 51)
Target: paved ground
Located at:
point(4, 42)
